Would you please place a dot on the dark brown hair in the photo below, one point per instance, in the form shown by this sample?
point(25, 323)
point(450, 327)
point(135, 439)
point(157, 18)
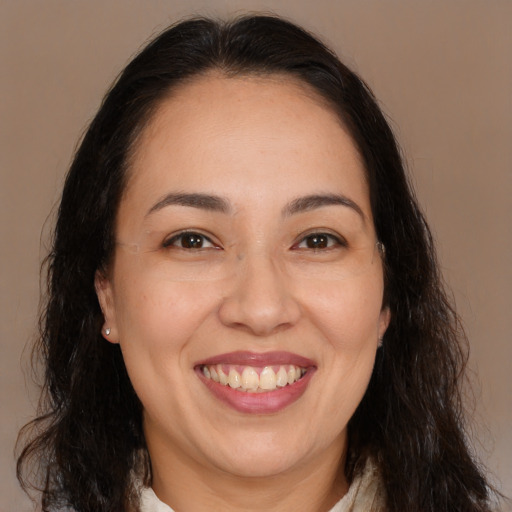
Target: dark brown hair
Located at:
point(88, 436)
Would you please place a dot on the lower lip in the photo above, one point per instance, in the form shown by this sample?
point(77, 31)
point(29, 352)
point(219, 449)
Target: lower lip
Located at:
point(267, 402)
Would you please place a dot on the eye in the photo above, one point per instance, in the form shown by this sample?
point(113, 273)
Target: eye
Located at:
point(319, 241)
point(190, 240)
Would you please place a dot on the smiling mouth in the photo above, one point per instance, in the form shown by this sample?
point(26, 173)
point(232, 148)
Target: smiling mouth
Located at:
point(253, 379)
point(256, 383)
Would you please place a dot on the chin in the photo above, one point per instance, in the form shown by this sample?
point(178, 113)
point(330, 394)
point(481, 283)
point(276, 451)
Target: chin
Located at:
point(261, 456)
point(259, 465)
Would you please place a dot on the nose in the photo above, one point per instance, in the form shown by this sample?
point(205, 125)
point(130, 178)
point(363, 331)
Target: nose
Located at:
point(260, 299)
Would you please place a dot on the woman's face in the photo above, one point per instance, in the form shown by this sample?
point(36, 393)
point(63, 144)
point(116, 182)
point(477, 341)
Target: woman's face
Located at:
point(246, 287)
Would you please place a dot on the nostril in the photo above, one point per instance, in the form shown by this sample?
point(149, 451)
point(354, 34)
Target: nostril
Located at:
point(259, 299)
point(260, 318)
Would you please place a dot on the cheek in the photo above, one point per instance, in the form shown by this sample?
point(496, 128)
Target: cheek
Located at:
point(347, 311)
point(159, 314)
point(346, 317)
point(157, 321)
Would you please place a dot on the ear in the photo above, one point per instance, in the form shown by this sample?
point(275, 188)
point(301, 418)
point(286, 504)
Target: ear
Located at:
point(105, 296)
point(384, 319)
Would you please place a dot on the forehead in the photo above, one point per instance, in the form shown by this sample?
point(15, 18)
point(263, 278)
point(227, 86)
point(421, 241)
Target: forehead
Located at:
point(200, 93)
point(261, 131)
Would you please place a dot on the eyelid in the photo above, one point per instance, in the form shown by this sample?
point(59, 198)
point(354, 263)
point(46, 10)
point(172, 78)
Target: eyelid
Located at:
point(171, 239)
point(340, 241)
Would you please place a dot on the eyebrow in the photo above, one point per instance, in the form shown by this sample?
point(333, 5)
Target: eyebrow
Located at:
point(219, 204)
point(312, 202)
point(201, 201)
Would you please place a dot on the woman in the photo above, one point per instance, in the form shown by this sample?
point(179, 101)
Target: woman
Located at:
point(244, 308)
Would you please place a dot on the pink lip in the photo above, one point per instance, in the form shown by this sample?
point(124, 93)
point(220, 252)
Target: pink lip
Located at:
point(244, 358)
point(258, 403)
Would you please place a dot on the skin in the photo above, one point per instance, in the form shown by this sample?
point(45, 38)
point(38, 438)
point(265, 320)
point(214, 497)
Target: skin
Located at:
point(259, 143)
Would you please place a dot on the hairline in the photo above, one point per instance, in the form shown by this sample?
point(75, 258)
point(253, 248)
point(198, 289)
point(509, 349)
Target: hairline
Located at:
point(230, 73)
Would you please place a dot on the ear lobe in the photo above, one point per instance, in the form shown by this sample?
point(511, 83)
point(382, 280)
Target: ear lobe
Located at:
point(384, 319)
point(105, 296)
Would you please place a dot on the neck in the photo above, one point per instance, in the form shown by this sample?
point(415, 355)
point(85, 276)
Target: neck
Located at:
point(185, 484)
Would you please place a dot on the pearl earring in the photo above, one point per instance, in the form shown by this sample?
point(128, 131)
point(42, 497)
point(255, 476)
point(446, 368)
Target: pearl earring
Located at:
point(107, 331)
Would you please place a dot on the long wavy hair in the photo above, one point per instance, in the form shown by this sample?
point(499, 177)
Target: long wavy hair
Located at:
point(87, 441)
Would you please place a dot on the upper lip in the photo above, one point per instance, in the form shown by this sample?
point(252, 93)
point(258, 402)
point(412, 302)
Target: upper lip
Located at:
point(246, 358)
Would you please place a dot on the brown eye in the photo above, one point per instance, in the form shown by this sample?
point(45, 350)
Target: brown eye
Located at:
point(319, 241)
point(192, 241)
point(189, 240)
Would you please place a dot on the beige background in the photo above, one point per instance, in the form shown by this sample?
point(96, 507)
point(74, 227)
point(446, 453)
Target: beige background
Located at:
point(443, 73)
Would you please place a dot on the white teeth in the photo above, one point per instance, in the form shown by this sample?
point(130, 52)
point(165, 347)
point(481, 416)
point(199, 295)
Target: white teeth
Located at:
point(234, 379)
point(249, 380)
point(267, 378)
point(291, 375)
point(223, 378)
point(281, 378)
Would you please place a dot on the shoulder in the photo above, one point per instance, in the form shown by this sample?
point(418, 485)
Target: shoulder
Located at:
point(149, 502)
point(366, 493)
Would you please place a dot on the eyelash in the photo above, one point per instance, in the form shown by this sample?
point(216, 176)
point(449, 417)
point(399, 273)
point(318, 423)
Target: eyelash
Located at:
point(322, 237)
point(331, 240)
point(171, 242)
